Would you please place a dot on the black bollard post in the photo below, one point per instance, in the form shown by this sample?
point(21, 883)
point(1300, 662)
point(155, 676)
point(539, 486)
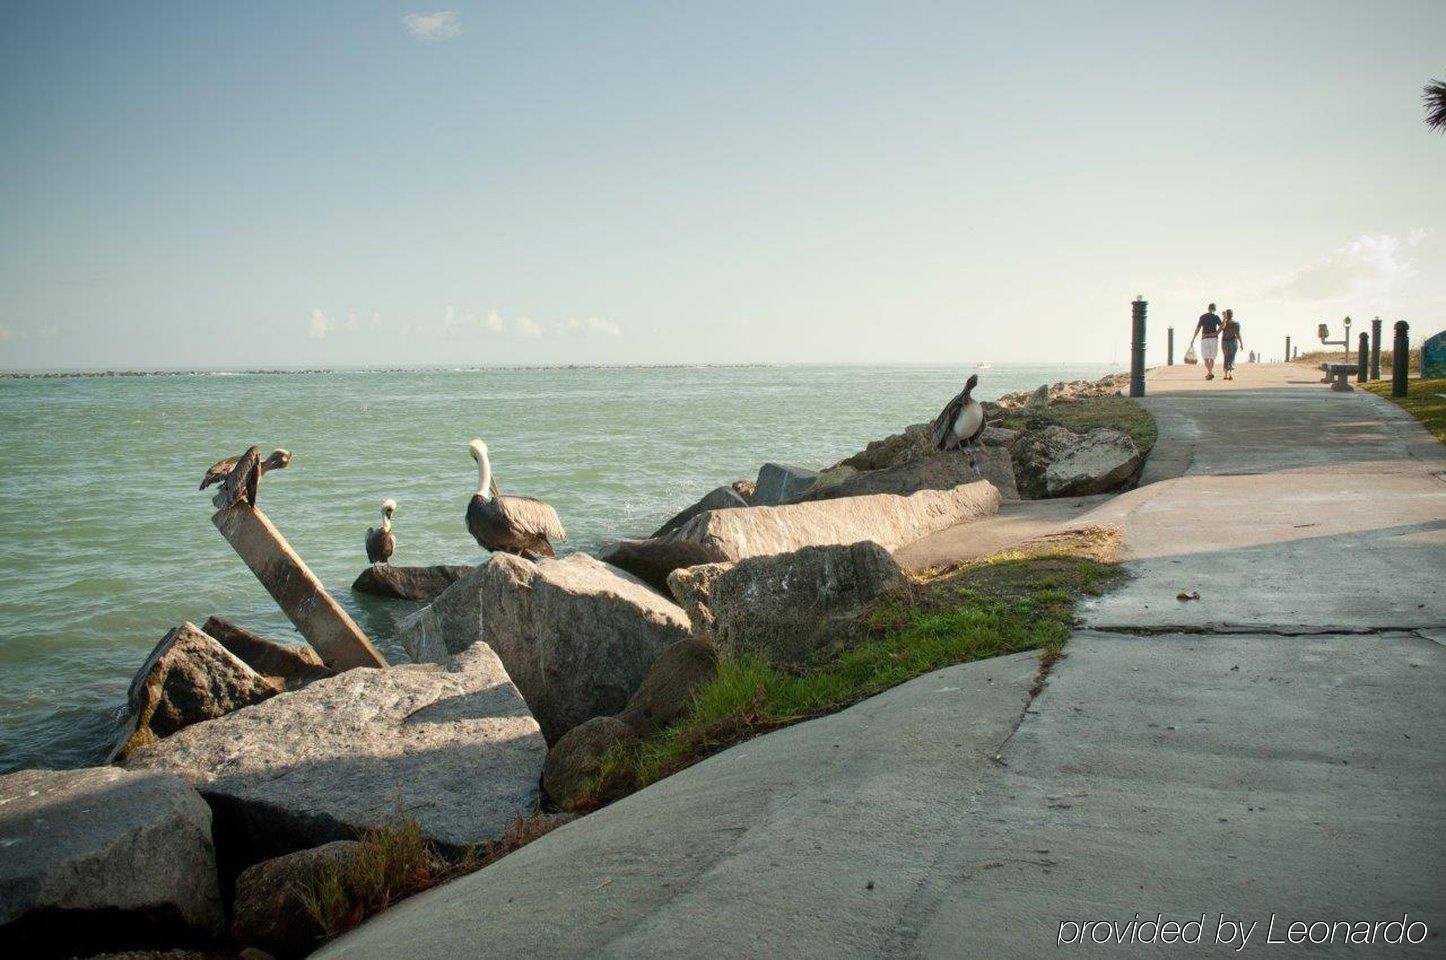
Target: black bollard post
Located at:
point(1400, 357)
point(1287, 349)
point(1170, 347)
point(1376, 349)
point(1363, 357)
point(1137, 347)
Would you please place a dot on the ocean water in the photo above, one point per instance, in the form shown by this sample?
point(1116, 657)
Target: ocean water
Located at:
point(107, 543)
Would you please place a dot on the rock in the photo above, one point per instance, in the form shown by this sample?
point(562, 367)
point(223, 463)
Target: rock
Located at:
point(188, 677)
point(1038, 400)
point(576, 635)
point(450, 623)
point(667, 691)
point(936, 471)
point(998, 436)
point(408, 583)
point(574, 761)
point(744, 488)
point(103, 858)
point(1102, 461)
point(454, 747)
point(832, 476)
point(289, 666)
point(1054, 462)
point(788, 607)
point(778, 483)
point(887, 519)
point(269, 911)
point(913, 444)
point(720, 498)
point(653, 559)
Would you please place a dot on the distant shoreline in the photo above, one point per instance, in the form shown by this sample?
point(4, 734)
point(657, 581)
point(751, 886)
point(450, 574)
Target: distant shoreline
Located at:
point(433, 368)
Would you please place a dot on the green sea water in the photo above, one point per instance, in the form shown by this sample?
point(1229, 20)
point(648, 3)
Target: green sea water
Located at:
point(107, 543)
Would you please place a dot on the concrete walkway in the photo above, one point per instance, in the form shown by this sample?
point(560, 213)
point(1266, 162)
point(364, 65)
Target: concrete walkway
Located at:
point(1271, 749)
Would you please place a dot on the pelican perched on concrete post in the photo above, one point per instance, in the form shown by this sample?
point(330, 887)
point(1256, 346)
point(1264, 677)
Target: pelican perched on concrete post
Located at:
point(959, 424)
point(506, 524)
point(380, 541)
point(240, 475)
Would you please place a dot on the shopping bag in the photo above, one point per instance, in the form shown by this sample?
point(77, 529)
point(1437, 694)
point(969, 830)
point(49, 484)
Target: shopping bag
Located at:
point(1190, 356)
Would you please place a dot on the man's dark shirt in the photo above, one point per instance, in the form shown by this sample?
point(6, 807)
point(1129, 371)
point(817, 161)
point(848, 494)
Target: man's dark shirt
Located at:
point(1209, 325)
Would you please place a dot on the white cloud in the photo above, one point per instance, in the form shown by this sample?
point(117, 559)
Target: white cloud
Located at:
point(493, 321)
point(1366, 266)
point(5, 333)
point(319, 324)
point(527, 328)
point(601, 325)
point(449, 318)
point(439, 25)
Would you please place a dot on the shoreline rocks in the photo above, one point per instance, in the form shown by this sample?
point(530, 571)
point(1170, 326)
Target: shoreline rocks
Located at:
point(779, 483)
point(455, 747)
point(935, 471)
point(788, 607)
point(269, 911)
point(189, 677)
point(1055, 462)
point(424, 584)
point(103, 858)
point(290, 666)
point(577, 636)
point(719, 498)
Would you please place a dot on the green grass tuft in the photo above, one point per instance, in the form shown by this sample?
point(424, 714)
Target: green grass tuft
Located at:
point(1002, 605)
point(1425, 400)
point(1082, 416)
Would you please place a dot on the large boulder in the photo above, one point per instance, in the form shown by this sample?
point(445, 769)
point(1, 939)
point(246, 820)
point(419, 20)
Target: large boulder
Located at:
point(778, 483)
point(408, 583)
point(269, 910)
point(453, 746)
point(576, 635)
point(935, 471)
point(789, 607)
point(913, 444)
point(103, 858)
point(667, 691)
point(720, 498)
point(574, 761)
point(189, 677)
point(1052, 461)
point(887, 519)
point(651, 560)
point(289, 666)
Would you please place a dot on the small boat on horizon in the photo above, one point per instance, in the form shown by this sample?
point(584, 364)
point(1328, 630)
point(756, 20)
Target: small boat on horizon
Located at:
point(984, 365)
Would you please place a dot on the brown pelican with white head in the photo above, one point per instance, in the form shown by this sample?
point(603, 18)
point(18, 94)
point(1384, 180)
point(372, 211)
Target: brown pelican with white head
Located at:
point(504, 524)
point(959, 424)
point(380, 541)
point(240, 475)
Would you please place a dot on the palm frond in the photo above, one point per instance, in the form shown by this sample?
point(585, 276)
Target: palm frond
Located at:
point(1434, 97)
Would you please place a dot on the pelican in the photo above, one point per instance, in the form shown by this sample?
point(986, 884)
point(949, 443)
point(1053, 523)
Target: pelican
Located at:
point(505, 524)
point(381, 542)
point(240, 475)
point(959, 424)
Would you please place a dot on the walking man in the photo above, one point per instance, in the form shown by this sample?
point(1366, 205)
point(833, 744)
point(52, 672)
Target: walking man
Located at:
point(1208, 330)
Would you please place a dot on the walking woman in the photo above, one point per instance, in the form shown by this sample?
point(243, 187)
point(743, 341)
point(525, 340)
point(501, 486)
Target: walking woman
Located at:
point(1230, 342)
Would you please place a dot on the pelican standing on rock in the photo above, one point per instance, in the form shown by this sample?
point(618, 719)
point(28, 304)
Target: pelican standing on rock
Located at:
point(959, 424)
point(240, 475)
point(503, 524)
point(381, 542)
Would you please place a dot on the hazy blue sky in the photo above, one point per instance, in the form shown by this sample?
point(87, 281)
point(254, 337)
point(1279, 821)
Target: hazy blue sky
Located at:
point(301, 183)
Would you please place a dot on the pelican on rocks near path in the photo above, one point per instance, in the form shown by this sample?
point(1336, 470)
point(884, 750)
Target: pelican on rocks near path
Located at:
point(503, 524)
point(380, 542)
point(240, 475)
point(959, 424)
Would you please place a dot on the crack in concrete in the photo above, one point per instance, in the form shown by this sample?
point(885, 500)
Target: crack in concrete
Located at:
point(1227, 630)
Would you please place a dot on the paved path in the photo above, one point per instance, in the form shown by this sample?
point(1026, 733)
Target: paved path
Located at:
point(1273, 748)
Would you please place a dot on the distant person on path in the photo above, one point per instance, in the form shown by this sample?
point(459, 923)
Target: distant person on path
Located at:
point(1208, 330)
point(1230, 342)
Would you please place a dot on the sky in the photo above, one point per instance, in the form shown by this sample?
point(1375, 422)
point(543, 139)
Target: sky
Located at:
point(282, 184)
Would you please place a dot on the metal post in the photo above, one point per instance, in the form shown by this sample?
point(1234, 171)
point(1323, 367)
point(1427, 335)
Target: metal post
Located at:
point(1137, 347)
point(1363, 354)
point(1170, 347)
point(1400, 357)
point(1287, 349)
point(1376, 349)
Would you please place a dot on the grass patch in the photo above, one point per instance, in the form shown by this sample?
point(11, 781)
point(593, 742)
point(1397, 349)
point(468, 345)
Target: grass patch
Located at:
point(1082, 416)
point(1424, 400)
point(1022, 600)
point(396, 862)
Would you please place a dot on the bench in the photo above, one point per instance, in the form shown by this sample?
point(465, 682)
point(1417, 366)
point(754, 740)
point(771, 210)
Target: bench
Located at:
point(1340, 372)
